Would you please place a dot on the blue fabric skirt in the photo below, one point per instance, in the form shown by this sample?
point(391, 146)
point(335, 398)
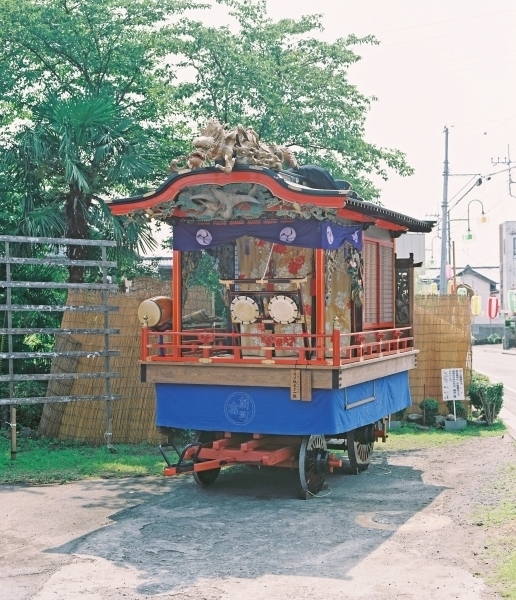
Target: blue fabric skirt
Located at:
point(270, 410)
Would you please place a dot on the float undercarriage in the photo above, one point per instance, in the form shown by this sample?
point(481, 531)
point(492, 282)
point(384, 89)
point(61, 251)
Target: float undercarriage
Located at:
point(310, 455)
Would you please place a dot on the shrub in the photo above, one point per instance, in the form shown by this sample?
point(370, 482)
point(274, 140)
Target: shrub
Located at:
point(399, 415)
point(460, 409)
point(28, 415)
point(491, 392)
point(494, 338)
point(430, 408)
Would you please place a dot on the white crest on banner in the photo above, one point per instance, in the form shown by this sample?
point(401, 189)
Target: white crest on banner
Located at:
point(239, 408)
point(288, 234)
point(204, 237)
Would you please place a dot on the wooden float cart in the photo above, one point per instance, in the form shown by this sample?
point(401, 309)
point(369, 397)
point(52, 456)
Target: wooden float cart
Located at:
point(317, 341)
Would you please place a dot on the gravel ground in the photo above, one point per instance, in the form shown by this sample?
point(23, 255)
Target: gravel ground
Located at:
point(404, 529)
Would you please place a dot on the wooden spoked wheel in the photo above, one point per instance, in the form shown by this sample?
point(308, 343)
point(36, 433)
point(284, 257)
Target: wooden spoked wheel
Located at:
point(360, 443)
point(313, 464)
point(205, 478)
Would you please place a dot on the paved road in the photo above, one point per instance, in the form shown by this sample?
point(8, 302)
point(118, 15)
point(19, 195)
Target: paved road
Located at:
point(400, 531)
point(499, 365)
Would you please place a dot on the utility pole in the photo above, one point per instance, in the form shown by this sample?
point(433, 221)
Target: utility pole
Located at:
point(443, 284)
point(507, 161)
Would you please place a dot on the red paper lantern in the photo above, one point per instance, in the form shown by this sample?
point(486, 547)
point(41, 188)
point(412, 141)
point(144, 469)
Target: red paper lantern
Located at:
point(493, 307)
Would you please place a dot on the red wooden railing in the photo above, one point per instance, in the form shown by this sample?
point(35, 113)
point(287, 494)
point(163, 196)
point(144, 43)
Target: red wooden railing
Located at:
point(215, 346)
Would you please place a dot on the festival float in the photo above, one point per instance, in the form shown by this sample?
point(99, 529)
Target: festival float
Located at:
point(316, 341)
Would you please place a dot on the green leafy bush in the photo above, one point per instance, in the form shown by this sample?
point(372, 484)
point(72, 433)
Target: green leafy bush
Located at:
point(460, 409)
point(494, 338)
point(399, 415)
point(480, 386)
point(430, 408)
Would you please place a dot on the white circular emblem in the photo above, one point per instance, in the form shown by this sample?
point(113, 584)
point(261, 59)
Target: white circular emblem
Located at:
point(287, 235)
point(329, 235)
point(203, 237)
point(239, 408)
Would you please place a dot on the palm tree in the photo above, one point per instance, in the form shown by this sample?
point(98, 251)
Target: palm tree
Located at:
point(75, 153)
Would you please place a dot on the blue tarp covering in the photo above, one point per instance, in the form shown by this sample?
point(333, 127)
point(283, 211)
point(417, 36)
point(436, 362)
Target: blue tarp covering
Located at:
point(306, 234)
point(270, 410)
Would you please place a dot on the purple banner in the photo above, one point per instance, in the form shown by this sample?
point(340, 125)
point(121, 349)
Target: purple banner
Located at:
point(304, 234)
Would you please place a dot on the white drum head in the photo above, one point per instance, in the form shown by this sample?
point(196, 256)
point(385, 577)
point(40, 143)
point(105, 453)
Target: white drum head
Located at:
point(283, 309)
point(244, 309)
point(151, 310)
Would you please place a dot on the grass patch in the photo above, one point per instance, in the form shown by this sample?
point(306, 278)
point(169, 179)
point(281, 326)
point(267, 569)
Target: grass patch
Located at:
point(499, 516)
point(409, 437)
point(506, 577)
point(52, 461)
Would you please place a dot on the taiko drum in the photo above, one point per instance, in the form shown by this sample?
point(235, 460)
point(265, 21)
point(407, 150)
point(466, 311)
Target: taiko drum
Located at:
point(156, 311)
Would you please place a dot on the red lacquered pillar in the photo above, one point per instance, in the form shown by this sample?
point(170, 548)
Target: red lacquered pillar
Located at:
point(177, 311)
point(320, 302)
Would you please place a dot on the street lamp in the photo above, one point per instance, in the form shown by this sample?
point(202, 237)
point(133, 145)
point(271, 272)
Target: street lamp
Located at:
point(469, 236)
point(445, 228)
point(431, 262)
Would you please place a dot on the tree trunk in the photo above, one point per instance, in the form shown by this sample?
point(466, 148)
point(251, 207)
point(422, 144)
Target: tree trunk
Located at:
point(77, 206)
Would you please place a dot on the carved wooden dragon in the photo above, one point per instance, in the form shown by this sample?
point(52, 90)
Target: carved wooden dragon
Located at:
point(215, 144)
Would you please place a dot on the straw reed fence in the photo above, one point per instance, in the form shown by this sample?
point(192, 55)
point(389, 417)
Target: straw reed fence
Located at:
point(134, 414)
point(442, 333)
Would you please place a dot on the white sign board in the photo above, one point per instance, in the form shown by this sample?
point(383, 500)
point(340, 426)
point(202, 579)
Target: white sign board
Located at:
point(453, 384)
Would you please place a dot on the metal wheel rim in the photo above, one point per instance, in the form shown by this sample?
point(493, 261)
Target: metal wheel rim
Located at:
point(311, 481)
point(359, 452)
point(205, 478)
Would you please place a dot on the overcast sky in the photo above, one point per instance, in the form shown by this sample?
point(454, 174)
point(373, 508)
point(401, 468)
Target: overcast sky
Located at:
point(446, 62)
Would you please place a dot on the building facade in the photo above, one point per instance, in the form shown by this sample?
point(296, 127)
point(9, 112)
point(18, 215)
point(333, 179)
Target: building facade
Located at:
point(507, 260)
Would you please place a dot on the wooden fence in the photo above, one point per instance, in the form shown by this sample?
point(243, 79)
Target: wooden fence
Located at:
point(441, 332)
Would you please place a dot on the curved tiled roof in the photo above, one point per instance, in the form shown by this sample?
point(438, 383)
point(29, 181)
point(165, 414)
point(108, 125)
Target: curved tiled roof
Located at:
point(346, 203)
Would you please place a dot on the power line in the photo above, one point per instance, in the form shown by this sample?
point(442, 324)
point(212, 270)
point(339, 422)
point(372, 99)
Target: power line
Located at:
point(507, 161)
point(366, 61)
point(434, 62)
point(461, 18)
point(439, 73)
point(440, 37)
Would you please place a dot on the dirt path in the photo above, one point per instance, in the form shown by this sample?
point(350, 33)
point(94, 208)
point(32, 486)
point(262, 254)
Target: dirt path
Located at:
point(401, 530)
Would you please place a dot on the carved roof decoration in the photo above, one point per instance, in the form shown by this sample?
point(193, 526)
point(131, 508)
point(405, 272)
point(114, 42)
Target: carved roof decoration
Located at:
point(256, 192)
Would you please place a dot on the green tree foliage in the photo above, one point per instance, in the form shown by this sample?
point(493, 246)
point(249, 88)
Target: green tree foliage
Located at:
point(65, 163)
point(85, 78)
point(102, 47)
point(113, 49)
point(91, 107)
point(290, 86)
